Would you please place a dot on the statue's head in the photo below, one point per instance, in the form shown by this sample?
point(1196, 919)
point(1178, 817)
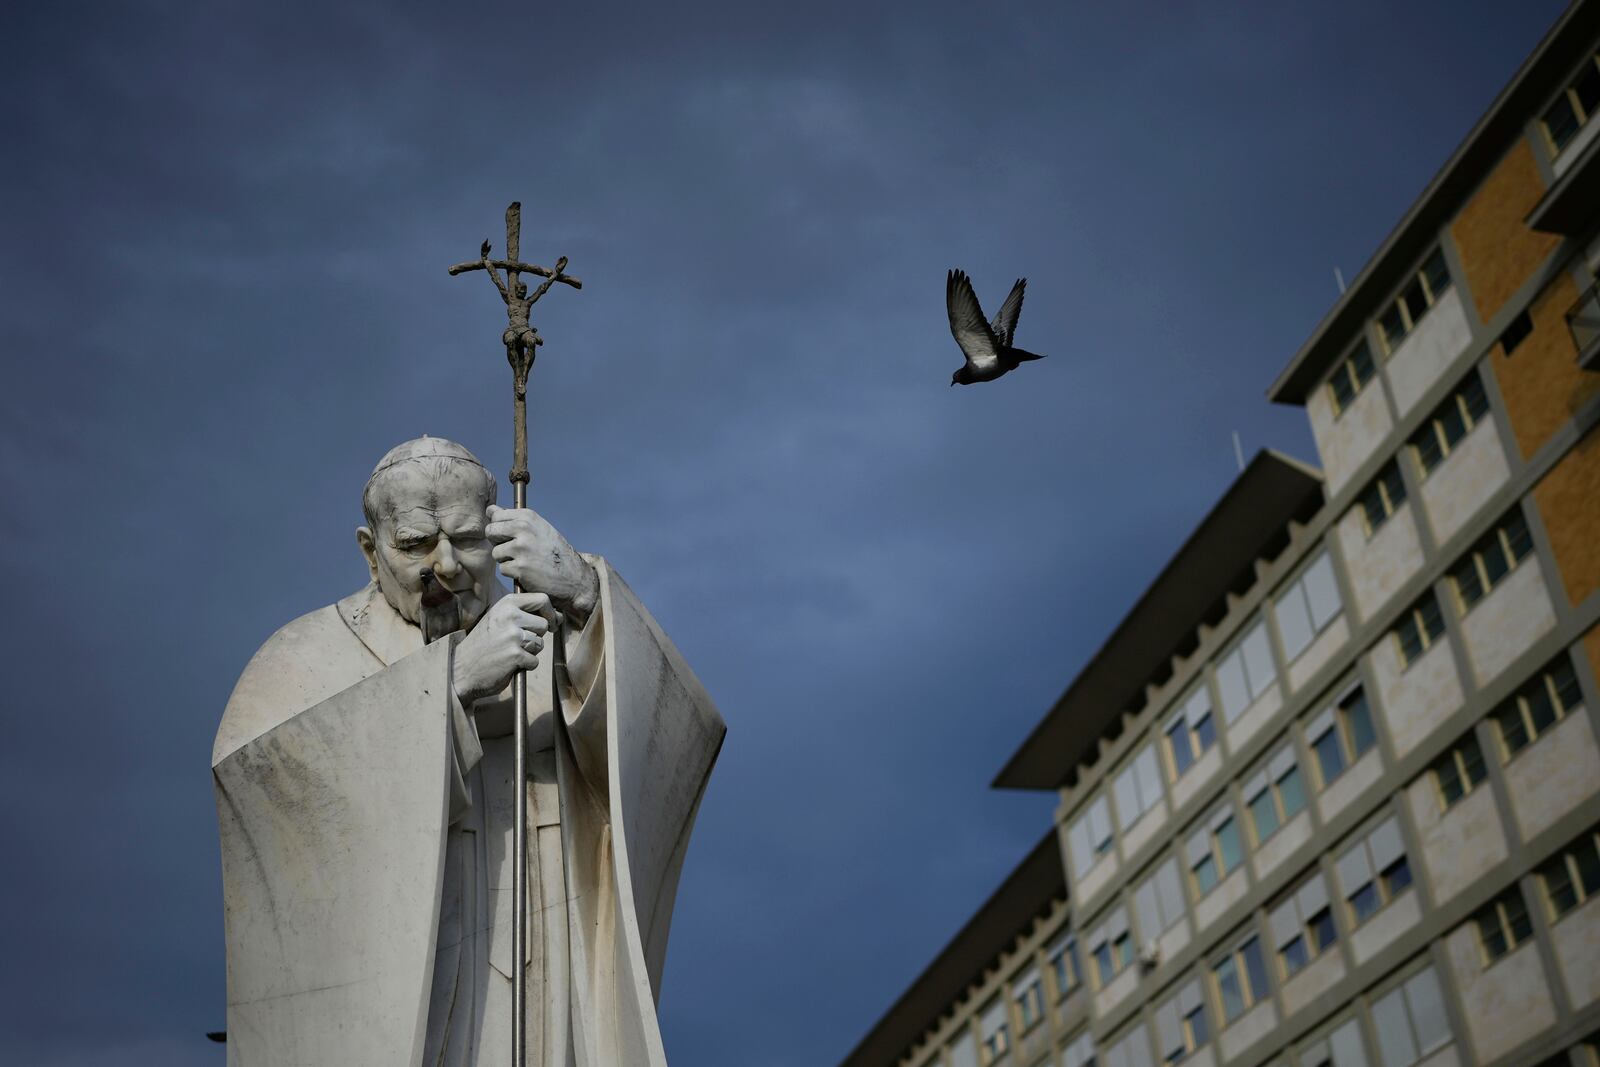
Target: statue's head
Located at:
point(424, 504)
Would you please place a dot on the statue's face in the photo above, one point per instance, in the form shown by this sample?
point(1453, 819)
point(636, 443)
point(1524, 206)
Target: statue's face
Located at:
point(432, 521)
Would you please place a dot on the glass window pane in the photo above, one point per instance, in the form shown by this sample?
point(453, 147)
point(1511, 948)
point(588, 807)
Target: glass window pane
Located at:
point(1228, 844)
point(1437, 274)
point(1322, 592)
point(1588, 866)
point(1264, 815)
point(1449, 780)
point(1323, 930)
point(1393, 484)
point(1561, 121)
point(1541, 710)
point(1258, 660)
point(1348, 1050)
point(1395, 1043)
point(1361, 364)
point(1231, 992)
point(1513, 732)
point(1427, 1010)
point(1295, 956)
point(1558, 886)
point(1452, 423)
point(1198, 1027)
point(1520, 926)
point(1472, 760)
point(1205, 875)
point(1230, 681)
point(1255, 966)
point(1330, 756)
point(1495, 564)
point(1178, 744)
point(1566, 684)
point(1475, 399)
point(1397, 877)
point(1205, 733)
point(1393, 327)
point(1343, 388)
point(1359, 722)
point(1373, 507)
point(1468, 584)
point(1429, 451)
point(1364, 902)
point(1587, 89)
point(1292, 791)
point(1416, 303)
point(1294, 621)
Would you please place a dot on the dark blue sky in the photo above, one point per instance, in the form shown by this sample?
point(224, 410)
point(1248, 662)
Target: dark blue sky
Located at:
point(226, 228)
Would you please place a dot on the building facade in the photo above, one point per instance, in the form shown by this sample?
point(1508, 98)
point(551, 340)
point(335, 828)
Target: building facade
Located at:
point(1330, 792)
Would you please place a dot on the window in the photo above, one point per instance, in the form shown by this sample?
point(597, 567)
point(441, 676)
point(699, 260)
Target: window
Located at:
point(1308, 605)
point(1341, 1048)
point(1111, 947)
point(1380, 500)
point(1410, 1020)
point(1374, 871)
point(1181, 1024)
point(1190, 732)
point(1575, 106)
point(1341, 735)
point(1503, 924)
point(1213, 851)
point(1456, 772)
point(996, 1038)
point(1275, 794)
point(1080, 1052)
point(1544, 700)
point(1516, 332)
point(1572, 875)
point(1422, 291)
point(1027, 991)
point(1241, 979)
point(1158, 902)
point(1133, 1050)
point(1418, 629)
point(1350, 377)
point(1302, 925)
point(1138, 787)
point(1090, 836)
point(1063, 957)
point(1449, 423)
point(1488, 562)
point(1246, 672)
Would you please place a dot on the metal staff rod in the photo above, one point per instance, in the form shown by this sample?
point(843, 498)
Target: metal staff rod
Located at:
point(522, 342)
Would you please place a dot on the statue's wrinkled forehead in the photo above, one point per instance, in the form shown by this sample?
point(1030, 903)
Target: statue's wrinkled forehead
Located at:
point(429, 473)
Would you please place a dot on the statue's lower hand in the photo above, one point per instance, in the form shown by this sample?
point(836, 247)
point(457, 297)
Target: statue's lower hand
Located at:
point(506, 640)
point(533, 554)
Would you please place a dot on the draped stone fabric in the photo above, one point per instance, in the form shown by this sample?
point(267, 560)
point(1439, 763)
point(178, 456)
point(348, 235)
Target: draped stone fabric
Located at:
point(366, 844)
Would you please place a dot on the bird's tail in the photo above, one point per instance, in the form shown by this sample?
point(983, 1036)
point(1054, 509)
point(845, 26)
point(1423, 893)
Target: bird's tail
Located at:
point(1022, 355)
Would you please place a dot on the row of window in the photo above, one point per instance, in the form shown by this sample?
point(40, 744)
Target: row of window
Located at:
point(1422, 290)
point(1370, 873)
point(1433, 441)
point(1306, 607)
point(1538, 704)
point(1575, 106)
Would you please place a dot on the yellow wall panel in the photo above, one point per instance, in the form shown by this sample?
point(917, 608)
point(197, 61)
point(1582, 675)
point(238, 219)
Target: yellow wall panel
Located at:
point(1569, 502)
point(1497, 249)
point(1540, 381)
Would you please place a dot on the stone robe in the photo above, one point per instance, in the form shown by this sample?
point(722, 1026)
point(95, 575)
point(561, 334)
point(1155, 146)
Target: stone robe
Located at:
point(366, 822)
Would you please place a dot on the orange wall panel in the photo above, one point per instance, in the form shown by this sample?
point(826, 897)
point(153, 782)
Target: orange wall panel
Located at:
point(1540, 381)
point(1569, 502)
point(1497, 249)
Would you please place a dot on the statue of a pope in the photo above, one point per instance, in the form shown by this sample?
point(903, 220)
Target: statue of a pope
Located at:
point(364, 784)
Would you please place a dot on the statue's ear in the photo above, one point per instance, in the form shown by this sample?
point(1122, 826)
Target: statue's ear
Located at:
point(369, 549)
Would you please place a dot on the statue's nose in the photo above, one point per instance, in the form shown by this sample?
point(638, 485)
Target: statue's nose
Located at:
point(445, 564)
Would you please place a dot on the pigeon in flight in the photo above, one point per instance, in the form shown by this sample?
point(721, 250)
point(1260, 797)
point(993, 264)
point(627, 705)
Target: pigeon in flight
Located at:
point(987, 345)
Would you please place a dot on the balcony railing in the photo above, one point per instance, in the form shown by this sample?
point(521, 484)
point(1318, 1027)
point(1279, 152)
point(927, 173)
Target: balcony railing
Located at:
point(1584, 322)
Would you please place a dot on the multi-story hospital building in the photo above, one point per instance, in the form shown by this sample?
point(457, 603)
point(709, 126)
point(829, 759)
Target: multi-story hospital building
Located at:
point(1330, 792)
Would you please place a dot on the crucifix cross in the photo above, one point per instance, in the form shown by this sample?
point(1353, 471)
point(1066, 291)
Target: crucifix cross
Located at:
point(520, 338)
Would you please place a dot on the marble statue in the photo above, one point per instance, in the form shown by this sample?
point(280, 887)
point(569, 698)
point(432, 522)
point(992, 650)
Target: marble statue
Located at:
point(365, 794)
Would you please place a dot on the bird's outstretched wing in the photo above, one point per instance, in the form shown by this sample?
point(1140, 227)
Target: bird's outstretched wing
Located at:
point(971, 332)
point(1005, 320)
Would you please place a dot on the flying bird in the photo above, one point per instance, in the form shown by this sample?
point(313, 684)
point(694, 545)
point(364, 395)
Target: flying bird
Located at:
point(987, 345)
